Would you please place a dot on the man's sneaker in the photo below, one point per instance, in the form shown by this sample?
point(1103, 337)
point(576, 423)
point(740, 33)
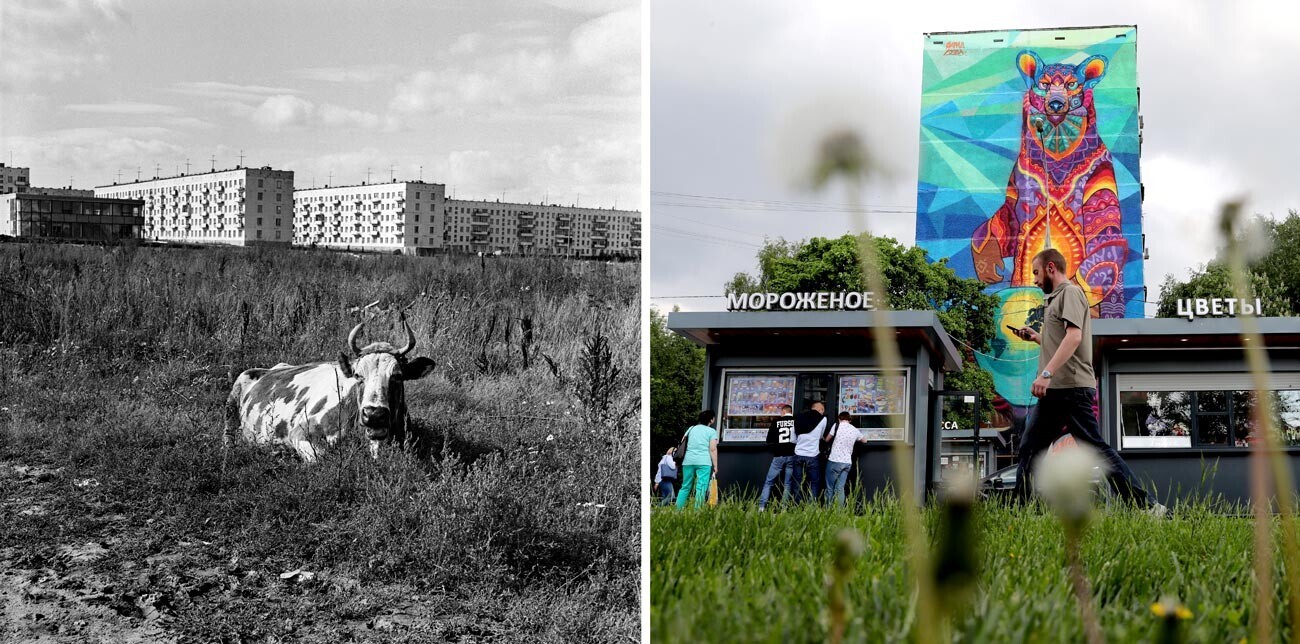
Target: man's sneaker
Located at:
point(1158, 511)
point(762, 509)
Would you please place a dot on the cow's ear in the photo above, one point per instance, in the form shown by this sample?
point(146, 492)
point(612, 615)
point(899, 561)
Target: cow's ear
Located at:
point(1028, 63)
point(344, 365)
point(417, 368)
point(1091, 71)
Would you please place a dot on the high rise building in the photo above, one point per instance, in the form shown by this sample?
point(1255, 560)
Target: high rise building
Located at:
point(14, 179)
point(241, 207)
point(401, 216)
point(537, 229)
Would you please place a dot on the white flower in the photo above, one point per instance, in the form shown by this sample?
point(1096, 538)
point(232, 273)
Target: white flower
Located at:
point(1065, 478)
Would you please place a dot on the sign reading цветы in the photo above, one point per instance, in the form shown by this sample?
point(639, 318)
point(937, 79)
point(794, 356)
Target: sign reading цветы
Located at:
point(823, 301)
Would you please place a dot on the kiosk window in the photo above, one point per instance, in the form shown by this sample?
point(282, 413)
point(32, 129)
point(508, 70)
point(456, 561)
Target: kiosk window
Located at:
point(1186, 419)
point(752, 402)
point(877, 404)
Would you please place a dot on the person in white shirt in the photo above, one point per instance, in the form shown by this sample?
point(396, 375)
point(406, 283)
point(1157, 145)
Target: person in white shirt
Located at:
point(808, 428)
point(666, 477)
point(842, 438)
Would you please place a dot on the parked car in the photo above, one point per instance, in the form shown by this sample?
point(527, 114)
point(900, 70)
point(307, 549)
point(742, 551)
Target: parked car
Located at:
point(1002, 483)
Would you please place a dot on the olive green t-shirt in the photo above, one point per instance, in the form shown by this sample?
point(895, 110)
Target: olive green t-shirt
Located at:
point(1069, 304)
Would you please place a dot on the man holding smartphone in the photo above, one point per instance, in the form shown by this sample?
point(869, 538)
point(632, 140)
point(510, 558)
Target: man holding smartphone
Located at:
point(1066, 386)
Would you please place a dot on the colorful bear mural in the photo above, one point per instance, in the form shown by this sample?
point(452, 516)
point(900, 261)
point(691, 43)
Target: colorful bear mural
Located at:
point(1030, 140)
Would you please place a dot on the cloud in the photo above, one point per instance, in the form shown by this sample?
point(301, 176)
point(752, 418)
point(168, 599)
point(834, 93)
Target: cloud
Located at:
point(53, 40)
point(123, 107)
point(94, 155)
point(593, 6)
point(348, 74)
point(229, 91)
point(600, 58)
point(283, 112)
point(467, 43)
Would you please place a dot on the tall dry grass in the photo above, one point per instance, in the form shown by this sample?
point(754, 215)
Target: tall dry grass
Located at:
point(115, 363)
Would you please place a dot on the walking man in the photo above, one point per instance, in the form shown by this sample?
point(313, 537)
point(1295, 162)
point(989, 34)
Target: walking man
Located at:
point(781, 439)
point(808, 428)
point(1066, 386)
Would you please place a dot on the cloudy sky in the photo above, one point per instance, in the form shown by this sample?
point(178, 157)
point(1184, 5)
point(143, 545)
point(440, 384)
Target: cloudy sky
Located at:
point(517, 97)
point(740, 90)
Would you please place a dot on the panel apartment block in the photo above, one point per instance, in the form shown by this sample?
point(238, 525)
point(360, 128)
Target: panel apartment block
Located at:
point(240, 207)
point(14, 179)
point(405, 216)
point(537, 229)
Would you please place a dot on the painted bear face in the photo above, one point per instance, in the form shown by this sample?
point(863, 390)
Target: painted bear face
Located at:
point(1059, 98)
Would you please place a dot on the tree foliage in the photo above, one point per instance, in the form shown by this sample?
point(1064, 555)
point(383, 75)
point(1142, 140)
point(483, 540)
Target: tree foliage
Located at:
point(912, 282)
point(676, 384)
point(1274, 277)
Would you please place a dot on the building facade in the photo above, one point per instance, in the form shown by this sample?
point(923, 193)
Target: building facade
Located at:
point(70, 217)
point(537, 229)
point(13, 179)
point(405, 216)
point(239, 207)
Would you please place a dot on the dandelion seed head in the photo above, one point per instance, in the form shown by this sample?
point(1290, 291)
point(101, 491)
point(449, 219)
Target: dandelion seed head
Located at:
point(1065, 477)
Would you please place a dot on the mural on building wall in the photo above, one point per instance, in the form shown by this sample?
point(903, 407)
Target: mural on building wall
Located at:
point(1030, 140)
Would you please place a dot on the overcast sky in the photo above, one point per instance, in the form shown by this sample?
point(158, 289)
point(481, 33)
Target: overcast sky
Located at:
point(521, 97)
point(741, 90)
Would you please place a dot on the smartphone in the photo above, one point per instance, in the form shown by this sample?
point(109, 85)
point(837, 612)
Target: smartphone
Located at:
point(1014, 331)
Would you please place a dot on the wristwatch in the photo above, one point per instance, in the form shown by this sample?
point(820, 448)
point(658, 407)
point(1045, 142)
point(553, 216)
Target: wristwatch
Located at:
point(1046, 375)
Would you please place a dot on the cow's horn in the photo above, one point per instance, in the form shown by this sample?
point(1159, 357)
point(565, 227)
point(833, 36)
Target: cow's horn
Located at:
point(352, 338)
point(410, 338)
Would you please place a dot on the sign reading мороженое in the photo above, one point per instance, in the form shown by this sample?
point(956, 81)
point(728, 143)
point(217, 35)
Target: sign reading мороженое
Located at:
point(823, 301)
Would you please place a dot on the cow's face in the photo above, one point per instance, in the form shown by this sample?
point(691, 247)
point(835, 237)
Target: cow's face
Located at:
point(380, 371)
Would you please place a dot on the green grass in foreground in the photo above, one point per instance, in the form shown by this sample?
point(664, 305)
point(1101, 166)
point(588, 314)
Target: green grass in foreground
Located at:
point(733, 574)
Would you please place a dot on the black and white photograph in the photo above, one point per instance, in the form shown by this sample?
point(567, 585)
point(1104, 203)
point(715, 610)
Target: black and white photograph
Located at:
point(320, 321)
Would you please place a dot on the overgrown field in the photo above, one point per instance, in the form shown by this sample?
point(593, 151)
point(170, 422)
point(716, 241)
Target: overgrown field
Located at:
point(120, 523)
point(733, 574)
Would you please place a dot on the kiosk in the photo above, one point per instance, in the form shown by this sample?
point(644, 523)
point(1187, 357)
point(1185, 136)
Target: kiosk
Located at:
point(1176, 398)
point(755, 361)
point(1175, 395)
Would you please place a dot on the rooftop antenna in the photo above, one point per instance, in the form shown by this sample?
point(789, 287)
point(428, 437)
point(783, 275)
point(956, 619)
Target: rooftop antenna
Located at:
point(241, 157)
point(421, 174)
point(137, 174)
point(156, 169)
point(119, 176)
point(579, 204)
point(214, 163)
point(391, 179)
point(367, 175)
point(187, 165)
point(330, 179)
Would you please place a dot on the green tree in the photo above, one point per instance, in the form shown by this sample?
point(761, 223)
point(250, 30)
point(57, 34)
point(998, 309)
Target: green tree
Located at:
point(676, 384)
point(912, 282)
point(1274, 277)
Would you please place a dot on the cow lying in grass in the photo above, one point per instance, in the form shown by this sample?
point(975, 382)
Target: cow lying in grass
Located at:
point(307, 407)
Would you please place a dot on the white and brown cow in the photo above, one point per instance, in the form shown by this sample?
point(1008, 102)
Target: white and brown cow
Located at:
point(306, 407)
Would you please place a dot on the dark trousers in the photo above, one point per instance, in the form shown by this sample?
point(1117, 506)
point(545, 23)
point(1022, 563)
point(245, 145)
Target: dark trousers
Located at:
point(807, 474)
point(1072, 409)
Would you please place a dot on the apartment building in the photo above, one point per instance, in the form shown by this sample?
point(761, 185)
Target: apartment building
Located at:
point(540, 229)
point(401, 216)
point(240, 207)
point(14, 179)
